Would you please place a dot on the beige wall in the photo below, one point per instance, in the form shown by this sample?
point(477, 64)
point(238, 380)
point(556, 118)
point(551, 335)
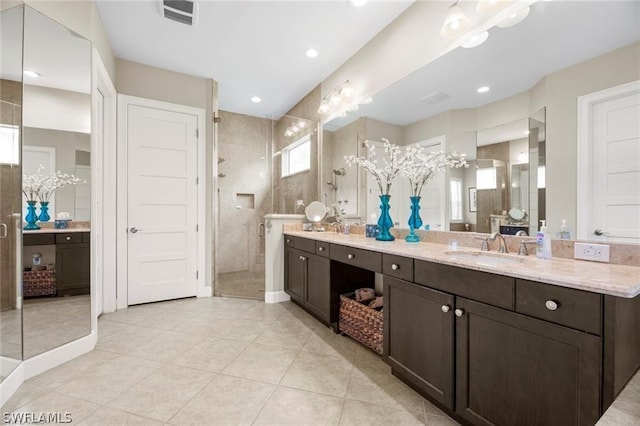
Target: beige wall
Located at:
point(56, 109)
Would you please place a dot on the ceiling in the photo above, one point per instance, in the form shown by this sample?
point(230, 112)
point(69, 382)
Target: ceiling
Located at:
point(251, 48)
point(555, 35)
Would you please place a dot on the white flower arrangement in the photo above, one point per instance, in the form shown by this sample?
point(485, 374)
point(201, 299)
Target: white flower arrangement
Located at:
point(423, 166)
point(413, 162)
point(41, 186)
point(394, 162)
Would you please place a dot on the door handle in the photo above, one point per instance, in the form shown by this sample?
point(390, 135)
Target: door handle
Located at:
point(600, 232)
point(3, 230)
point(134, 230)
point(261, 230)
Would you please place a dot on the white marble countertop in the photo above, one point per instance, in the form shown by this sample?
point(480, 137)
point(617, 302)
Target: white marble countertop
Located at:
point(604, 278)
point(56, 231)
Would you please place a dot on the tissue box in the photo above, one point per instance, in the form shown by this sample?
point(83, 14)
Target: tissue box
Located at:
point(372, 231)
point(61, 223)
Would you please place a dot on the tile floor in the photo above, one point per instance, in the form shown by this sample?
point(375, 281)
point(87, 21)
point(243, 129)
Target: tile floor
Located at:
point(224, 361)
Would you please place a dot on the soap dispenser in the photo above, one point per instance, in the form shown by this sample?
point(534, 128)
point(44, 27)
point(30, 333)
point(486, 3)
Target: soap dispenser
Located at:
point(564, 231)
point(543, 239)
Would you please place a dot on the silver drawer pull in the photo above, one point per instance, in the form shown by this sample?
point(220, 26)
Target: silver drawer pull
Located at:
point(68, 238)
point(551, 305)
point(288, 240)
point(446, 308)
point(350, 256)
point(459, 312)
point(320, 248)
point(395, 266)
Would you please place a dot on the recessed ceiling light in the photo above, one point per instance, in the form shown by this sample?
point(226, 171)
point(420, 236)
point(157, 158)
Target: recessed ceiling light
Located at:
point(311, 53)
point(31, 74)
point(476, 40)
point(358, 2)
point(483, 89)
point(256, 100)
point(514, 18)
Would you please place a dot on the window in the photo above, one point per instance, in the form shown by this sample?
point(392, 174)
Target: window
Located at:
point(9, 144)
point(296, 157)
point(486, 178)
point(456, 199)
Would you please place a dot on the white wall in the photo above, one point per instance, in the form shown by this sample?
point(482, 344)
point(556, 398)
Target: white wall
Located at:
point(56, 109)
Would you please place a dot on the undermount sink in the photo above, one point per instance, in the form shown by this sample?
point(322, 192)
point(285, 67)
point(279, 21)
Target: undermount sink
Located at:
point(485, 258)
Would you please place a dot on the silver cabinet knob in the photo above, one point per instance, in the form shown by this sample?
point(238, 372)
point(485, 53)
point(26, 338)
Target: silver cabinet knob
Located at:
point(320, 248)
point(288, 240)
point(350, 256)
point(551, 305)
point(459, 312)
point(445, 308)
point(303, 258)
point(68, 238)
point(134, 230)
point(395, 266)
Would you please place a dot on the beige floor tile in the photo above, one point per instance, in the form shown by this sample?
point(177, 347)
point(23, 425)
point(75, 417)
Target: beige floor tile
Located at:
point(367, 361)
point(324, 341)
point(73, 369)
point(110, 417)
point(432, 410)
point(128, 339)
point(167, 346)
point(211, 354)
point(26, 393)
point(262, 363)
point(384, 389)
point(263, 312)
point(442, 421)
point(133, 314)
point(371, 414)
point(106, 327)
point(295, 407)
point(109, 379)
point(326, 374)
point(225, 401)
point(168, 319)
point(238, 329)
point(283, 337)
point(161, 394)
point(54, 402)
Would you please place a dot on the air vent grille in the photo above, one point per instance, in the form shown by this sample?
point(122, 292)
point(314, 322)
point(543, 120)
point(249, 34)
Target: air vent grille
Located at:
point(434, 98)
point(182, 11)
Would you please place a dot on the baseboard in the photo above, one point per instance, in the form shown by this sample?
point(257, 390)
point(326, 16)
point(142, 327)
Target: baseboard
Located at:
point(205, 291)
point(276, 297)
point(10, 384)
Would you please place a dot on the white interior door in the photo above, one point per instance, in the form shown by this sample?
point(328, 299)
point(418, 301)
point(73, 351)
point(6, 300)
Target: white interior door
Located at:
point(615, 170)
point(162, 204)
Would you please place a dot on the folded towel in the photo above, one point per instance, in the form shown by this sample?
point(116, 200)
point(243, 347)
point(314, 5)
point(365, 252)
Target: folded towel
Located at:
point(365, 294)
point(376, 303)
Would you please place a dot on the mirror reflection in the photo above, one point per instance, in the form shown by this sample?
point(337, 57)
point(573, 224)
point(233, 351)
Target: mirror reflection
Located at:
point(56, 143)
point(572, 56)
point(10, 172)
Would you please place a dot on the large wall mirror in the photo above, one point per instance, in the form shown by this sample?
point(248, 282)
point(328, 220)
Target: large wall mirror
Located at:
point(520, 136)
point(56, 139)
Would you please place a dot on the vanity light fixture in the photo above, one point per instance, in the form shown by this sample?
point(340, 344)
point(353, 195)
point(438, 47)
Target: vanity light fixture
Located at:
point(311, 53)
point(340, 101)
point(514, 18)
point(476, 40)
point(256, 100)
point(483, 89)
point(485, 6)
point(31, 74)
point(455, 22)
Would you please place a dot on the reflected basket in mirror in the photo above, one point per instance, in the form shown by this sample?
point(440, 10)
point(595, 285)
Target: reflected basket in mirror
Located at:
point(39, 283)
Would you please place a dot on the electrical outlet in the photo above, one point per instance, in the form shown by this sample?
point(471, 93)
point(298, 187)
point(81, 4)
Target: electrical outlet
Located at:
point(593, 252)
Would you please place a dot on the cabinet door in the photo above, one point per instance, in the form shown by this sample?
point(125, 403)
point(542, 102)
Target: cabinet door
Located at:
point(294, 274)
point(418, 337)
point(318, 291)
point(73, 269)
point(516, 370)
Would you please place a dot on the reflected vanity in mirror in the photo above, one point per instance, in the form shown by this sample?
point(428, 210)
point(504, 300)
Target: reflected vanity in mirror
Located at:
point(530, 87)
point(56, 139)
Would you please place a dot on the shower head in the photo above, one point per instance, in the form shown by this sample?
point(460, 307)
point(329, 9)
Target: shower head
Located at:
point(340, 172)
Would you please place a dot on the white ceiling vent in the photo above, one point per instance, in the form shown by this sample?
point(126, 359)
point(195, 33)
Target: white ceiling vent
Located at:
point(182, 11)
point(434, 98)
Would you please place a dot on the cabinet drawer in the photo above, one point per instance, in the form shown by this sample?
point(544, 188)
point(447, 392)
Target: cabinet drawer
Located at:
point(365, 259)
point(86, 237)
point(69, 238)
point(305, 244)
point(397, 267)
point(565, 306)
point(322, 249)
point(38, 239)
point(496, 290)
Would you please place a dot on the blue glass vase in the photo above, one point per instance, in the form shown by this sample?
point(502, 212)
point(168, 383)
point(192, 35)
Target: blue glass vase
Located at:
point(44, 212)
point(31, 217)
point(384, 222)
point(415, 222)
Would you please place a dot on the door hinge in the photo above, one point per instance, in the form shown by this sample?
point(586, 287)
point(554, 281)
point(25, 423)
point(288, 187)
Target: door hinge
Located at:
point(197, 275)
point(216, 119)
point(197, 228)
point(197, 133)
point(197, 181)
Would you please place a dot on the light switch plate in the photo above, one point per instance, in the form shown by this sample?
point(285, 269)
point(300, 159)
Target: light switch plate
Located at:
point(590, 251)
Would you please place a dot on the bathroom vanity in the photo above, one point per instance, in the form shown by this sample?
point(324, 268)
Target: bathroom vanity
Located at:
point(491, 339)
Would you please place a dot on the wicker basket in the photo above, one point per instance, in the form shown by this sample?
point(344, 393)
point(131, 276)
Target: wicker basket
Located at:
point(361, 322)
point(39, 283)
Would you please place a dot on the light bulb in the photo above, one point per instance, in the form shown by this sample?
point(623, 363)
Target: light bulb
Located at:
point(288, 133)
point(302, 124)
point(256, 99)
point(334, 99)
point(476, 40)
point(324, 107)
point(514, 18)
point(346, 91)
point(455, 21)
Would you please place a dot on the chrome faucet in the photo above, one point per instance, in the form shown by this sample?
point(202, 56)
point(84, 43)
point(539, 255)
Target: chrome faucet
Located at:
point(485, 242)
point(522, 251)
point(503, 244)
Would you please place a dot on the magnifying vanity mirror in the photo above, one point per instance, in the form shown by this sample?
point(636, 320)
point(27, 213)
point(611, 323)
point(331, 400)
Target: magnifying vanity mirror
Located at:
point(513, 153)
point(315, 212)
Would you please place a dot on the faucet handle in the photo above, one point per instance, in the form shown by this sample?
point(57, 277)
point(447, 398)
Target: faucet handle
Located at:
point(485, 242)
point(522, 251)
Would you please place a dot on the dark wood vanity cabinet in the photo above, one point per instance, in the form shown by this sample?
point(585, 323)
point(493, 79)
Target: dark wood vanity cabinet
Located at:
point(419, 337)
point(307, 278)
